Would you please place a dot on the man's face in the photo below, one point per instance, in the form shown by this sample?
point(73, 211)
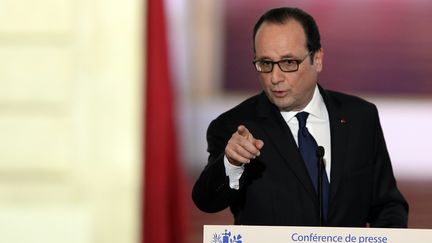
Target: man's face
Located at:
point(287, 90)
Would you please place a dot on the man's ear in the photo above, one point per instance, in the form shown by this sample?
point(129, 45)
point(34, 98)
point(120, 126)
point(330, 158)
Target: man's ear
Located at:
point(318, 60)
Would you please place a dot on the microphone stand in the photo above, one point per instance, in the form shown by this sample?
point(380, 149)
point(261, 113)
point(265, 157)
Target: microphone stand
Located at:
point(320, 164)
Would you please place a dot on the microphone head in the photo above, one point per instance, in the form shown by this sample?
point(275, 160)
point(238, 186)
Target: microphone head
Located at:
point(320, 151)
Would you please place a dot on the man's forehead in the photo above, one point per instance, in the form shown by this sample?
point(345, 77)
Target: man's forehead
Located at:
point(281, 36)
point(292, 28)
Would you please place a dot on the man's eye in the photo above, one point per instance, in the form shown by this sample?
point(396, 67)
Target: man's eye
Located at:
point(288, 62)
point(266, 63)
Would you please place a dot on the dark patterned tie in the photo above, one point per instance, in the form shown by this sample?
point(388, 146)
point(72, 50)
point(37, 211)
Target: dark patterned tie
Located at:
point(308, 146)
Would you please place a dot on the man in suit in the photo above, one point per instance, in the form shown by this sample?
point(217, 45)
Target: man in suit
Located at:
point(257, 162)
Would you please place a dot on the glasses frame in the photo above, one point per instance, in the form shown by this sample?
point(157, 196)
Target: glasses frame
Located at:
point(297, 61)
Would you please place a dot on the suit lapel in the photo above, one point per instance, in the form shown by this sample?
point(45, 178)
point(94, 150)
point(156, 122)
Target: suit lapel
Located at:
point(280, 135)
point(339, 135)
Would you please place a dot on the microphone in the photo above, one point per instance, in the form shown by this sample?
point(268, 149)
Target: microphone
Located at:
point(320, 165)
point(320, 151)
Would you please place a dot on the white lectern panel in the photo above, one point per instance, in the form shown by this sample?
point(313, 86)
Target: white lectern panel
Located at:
point(280, 234)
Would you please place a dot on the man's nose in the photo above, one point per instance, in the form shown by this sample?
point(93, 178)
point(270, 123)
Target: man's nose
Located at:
point(277, 75)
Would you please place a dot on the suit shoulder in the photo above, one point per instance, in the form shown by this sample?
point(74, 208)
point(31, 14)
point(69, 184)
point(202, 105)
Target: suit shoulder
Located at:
point(230, 119)
point(350, 101)
point(221, 128)
point(245, 109)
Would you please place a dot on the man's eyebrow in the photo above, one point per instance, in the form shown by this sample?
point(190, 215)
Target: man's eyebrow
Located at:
point(262, 58)
point(287, 56)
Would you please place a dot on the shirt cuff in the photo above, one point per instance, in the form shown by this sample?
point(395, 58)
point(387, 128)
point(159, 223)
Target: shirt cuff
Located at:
point(234, 173)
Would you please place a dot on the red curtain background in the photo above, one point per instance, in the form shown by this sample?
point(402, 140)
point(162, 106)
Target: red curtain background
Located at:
point(164, 216)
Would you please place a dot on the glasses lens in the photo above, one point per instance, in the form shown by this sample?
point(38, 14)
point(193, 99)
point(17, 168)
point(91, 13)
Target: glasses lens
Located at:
point(288, 65)
point(264, 66)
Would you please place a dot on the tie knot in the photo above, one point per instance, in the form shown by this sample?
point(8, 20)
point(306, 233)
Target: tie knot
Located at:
point(302, 117)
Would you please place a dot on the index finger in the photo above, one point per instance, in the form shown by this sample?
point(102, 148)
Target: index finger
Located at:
point(243, 131)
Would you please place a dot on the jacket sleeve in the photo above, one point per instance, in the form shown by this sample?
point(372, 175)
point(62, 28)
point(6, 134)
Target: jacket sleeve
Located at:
point(389, 208)
point(211, 192)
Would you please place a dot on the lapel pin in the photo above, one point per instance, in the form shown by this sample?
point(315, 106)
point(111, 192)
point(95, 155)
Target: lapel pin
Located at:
point(343, 120)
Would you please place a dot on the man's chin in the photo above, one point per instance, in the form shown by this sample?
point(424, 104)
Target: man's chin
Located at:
point(283, 104)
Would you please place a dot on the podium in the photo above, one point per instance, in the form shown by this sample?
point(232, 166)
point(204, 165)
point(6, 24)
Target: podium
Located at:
point(288, 234)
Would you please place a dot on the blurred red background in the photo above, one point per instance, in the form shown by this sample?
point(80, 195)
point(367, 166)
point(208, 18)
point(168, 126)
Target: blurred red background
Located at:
point(378, 47)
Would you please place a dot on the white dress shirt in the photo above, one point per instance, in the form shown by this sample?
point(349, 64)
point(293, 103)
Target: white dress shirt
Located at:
point(318, 125)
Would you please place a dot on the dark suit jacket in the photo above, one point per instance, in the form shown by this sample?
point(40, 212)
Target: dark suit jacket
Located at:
point(275, 188)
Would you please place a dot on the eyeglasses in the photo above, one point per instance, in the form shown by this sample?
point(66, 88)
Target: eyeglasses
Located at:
point(286, 65)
